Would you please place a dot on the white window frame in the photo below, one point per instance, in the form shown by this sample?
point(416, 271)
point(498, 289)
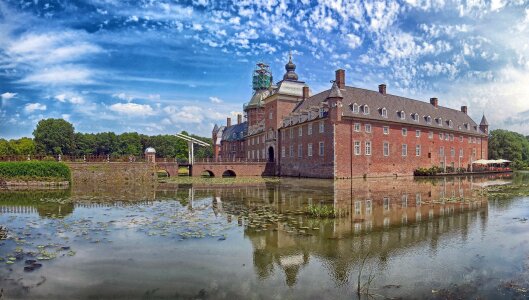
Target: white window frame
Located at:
point(283, 151)
point(402, 115)
point(322, 127)
point(355, 108)
point(321, 148)
point(417, 133)
point(367, 128)
point(357, 127)
point(385, 130)
point(384, 112)
point(309, 129)
point(309, 150)
point(385, 149)
point(404, 131)
point(300, 150)
point(367, 147)
point(430, 135)
point(404, 151)
point(366, 109)
point(357, 146)
point(300, 131)
point(418, 150)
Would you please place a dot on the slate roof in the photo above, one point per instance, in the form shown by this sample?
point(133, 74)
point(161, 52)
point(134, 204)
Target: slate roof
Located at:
point(235, 132)
point(484, 121)
point(394, 105)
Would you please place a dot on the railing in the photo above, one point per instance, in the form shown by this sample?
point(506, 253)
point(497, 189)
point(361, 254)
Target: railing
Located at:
point(75, 158)
point(230, 160)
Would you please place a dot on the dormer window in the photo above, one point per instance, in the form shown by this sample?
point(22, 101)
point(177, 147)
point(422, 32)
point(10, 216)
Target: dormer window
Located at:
point(366, 109)
point(440, 121)
point(321, 112)
point(450, 123)
point(402, 115)
point(428, 120)
point(384, 112)
point(355, 108)
point(415, 117)
point(466, 126)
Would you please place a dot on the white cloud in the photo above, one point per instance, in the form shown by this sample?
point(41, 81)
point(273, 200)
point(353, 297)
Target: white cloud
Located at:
point(71, 98)
point(132, 109)
point(8, 96)
point(31, 107)
point(123, 96)
point(215, 100)
point(63, 75)
point(353, 41)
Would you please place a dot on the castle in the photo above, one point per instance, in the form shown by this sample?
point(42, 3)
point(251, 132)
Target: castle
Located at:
point(346, 132)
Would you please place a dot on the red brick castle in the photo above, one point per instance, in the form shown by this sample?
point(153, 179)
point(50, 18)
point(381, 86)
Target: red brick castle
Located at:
point(346, 132)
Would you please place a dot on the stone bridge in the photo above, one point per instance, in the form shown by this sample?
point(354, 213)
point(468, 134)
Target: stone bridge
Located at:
point(170, 167)
point(240, 168)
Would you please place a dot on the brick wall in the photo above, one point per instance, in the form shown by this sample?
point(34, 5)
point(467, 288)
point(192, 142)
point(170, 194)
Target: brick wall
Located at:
point(112, 173)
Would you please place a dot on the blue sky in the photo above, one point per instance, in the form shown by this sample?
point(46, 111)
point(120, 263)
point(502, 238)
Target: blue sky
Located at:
point(164, 66)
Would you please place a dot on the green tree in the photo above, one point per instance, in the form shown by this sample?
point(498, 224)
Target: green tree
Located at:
point(54, 136)
point(504, 144)
point(23, 146)
point(5, 148)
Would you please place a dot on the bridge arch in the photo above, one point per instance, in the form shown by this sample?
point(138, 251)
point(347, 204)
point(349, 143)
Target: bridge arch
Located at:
point(207, 173)
point(229, 173)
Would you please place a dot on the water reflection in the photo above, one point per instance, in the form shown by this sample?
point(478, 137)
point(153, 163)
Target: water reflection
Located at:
point(387, 220)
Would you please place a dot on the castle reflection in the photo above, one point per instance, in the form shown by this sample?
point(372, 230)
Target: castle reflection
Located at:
point(380, 217)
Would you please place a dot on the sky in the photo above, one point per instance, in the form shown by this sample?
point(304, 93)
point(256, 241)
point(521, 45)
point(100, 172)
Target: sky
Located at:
point(160, 67)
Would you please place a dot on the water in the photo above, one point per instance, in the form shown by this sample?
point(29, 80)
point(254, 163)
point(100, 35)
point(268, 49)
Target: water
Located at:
point(442, 238)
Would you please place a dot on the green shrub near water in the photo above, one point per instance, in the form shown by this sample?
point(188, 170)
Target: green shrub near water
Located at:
point(35, 170)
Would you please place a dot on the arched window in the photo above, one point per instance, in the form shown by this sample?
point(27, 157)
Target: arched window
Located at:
point(415, 117)
point(384, 112)
point(428, 119)
point(366, 109)
point(402, 115)
point(355, 108)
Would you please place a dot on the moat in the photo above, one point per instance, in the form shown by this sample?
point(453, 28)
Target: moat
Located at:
point(462, 237)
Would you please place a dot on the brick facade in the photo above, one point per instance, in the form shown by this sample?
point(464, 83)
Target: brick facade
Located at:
point(327, 135)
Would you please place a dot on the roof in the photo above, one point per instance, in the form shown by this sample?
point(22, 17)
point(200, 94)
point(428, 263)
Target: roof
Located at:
point(220, 130)
point(257, 98)
point(484, 121)
point(150, 150)
point(394, 105)
point(235, 132)
point(335, 92)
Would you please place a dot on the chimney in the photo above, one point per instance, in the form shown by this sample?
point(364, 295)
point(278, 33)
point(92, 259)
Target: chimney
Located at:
point(340, 78)
point(464, 109)
point(305, 92)
point(434, 102)
point(239, 118)
point(228, 122)
point(382, 89)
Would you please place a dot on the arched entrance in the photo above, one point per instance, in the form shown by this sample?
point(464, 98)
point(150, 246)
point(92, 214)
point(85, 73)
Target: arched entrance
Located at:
point(228, 173)
point(207, 173)
point(271, 154)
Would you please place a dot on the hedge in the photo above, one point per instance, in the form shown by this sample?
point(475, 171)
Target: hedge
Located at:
point(35, 170)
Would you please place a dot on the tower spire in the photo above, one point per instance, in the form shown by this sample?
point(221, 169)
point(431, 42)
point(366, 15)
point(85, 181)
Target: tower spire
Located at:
point(290, 68)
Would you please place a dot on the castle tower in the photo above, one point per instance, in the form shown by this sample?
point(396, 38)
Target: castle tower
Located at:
point(484, 125)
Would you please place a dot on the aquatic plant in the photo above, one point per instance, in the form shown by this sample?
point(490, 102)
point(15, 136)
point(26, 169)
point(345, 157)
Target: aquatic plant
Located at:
point(324, 211)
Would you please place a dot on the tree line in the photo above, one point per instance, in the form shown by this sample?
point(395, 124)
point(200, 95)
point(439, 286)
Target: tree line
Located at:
point(57, 136)
point(513, 146)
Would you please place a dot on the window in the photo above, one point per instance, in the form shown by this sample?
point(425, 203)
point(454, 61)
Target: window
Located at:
point(309, 129)
point(441, 136)
point(355, 108)
point(258, 140)
point(253, 141)
point(447, 137)
point(461, 138)
point(479, 140)
point(368, 147)
point(450, 124)
point(415, 117)
point(386, 203)
point(441, 151)
point(357, 150)
point(309, 149)
point(368, 128)
point(452, 151)
point(417, 133)
point(291, 152)
point(440, 121)
point(248, 154)
point(460, 152)
point(418, 150)
point(469, 139)
point(466, 126)
point(404, 150)
point(384, 112)
point(451, 137)
point(428, 120)
point(357, 127)
point(300, 150)
point(283, 151)
point(300, 131)
point(248, 143)
point(322, 127)
point(253, 154)
point(402, 115)
point(418, 199)
point(366, 109)
point(321, 112)
point(385, 129)
point(404, 131)
point(386, 149)
point(270, 114)
point(474, 152)
point(282, 135)
point(321, 147)
point(291, 132)
point(430, 135)
point(404, 199)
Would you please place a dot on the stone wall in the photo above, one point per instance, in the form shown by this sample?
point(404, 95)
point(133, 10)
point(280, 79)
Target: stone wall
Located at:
point(112, 172)
point(235, 168)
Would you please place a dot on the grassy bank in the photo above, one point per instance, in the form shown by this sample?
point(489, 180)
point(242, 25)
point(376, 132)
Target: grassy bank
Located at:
point(34, 171)
point(218, 180)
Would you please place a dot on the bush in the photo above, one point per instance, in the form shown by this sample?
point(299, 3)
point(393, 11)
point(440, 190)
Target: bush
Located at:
point(35, 170)
point(427, 171)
